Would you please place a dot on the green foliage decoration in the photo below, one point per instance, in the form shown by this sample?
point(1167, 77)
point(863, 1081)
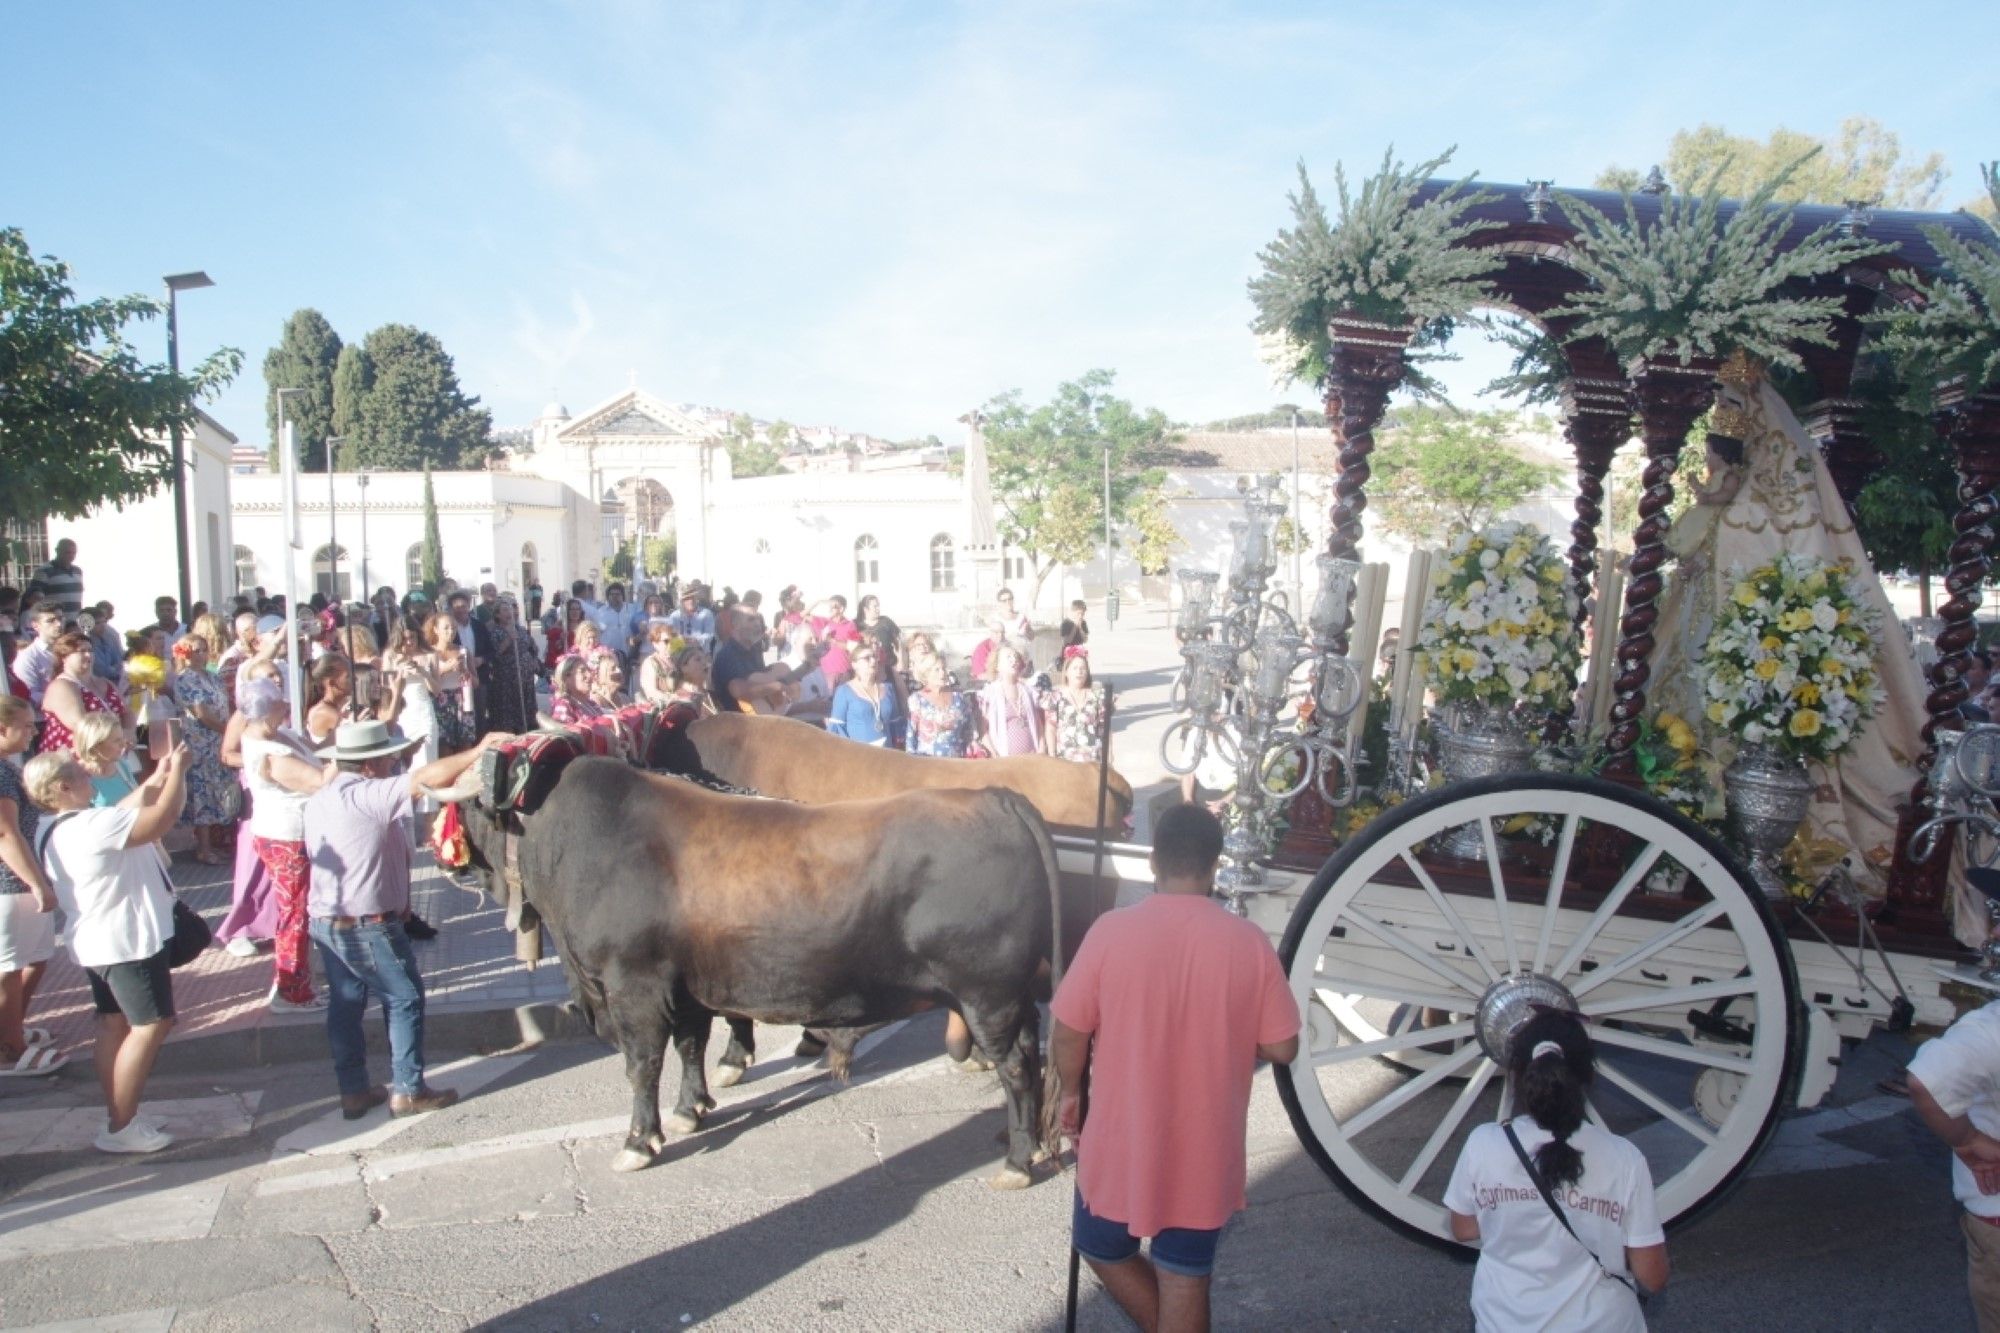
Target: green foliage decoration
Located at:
point(1388, 259)
point(1953, 333)
point(1694, 284)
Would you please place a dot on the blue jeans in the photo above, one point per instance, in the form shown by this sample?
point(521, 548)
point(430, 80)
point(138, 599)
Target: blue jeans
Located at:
point(359, 959)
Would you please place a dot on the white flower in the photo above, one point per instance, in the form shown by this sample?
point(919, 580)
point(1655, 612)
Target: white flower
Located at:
point(1753, 733)
point(1488, 558)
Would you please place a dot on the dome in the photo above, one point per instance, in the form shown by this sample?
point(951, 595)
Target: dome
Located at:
point(555, 412)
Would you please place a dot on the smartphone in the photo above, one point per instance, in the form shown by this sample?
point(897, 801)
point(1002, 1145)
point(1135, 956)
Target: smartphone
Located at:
point(163, 735)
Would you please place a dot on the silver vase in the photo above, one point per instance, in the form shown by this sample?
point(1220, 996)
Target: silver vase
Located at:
point(1768, 795)
point(1479, 741)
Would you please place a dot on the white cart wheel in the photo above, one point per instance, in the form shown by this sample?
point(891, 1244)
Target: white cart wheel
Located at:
point(1390, 927)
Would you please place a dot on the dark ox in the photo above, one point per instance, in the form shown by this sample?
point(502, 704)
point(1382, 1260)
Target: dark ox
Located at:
point(670, 904)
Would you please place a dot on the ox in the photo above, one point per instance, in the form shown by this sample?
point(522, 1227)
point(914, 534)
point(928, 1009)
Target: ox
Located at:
point(838, 917)
point(795, 761)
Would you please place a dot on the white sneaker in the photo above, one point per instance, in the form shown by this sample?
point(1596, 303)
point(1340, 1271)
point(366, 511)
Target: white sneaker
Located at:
point(281, 1005)
point(241, 947)
point(137, 1137)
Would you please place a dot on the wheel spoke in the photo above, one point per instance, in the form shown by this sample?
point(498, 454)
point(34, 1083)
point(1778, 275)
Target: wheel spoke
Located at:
point(1358, 1123)
point(1672, 1050)
point(1553, 905)
point(1667, 1113)
point(1395, 940)
point(1400, 994)
point(1465, 936)
point(1669, 999)
point(1639, 869)
point(1447, 1126)
point(1402, 1041)
point(1680, 930)
point(1502, 918)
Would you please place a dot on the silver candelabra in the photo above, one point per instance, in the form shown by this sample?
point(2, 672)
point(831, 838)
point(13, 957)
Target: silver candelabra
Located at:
point(1237, 685)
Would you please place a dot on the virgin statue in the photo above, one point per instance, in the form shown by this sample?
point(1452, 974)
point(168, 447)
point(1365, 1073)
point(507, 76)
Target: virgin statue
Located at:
point(1779, 496)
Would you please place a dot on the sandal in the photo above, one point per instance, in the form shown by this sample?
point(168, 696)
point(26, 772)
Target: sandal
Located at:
point(35, 1062)
point(37, 1036)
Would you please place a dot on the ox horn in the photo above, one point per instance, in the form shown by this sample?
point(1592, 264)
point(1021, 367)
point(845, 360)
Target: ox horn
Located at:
point(464, 789)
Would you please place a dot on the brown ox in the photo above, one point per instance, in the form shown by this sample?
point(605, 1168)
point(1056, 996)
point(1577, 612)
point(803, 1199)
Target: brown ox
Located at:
point(795, 761)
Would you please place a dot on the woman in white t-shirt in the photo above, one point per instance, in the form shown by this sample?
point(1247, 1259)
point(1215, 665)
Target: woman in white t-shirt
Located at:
point(106, 870)
point(278, 832)
point(1532, 1272)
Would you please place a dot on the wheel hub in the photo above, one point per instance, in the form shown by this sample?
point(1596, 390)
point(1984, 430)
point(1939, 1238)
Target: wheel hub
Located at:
point(1507, 1006)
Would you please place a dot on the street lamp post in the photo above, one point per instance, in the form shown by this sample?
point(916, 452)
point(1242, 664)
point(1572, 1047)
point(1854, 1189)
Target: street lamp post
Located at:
point(367, 588)
point(332, 534)
point(177, 283)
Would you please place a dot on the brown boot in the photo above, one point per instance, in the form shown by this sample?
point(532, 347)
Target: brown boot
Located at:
point(354, 1106)
point(430, 1099)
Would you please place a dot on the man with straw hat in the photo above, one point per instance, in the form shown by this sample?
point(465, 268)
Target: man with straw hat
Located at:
point(358, 843)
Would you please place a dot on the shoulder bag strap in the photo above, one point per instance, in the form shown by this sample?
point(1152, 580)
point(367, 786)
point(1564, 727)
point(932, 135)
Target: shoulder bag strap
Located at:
point(48, 828)
point(1549, 1198)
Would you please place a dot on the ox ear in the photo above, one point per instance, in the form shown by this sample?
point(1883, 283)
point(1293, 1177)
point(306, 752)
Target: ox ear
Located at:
point(464, 789)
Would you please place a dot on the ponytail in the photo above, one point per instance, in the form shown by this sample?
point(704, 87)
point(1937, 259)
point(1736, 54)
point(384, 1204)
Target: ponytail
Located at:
point(1553, 1067)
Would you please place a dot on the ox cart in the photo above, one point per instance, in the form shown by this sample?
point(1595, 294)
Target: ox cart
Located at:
point(1417, 941)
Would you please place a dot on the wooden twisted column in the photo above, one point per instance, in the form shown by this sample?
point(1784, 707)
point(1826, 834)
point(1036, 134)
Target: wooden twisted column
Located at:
point(1669, 396)
point(1597, 419)
point(1971, 425)
point(1365, 365)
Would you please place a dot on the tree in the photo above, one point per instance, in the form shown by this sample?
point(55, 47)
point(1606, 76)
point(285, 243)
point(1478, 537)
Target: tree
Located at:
point(623, 563)
point(413, 412)
point(1863, 161)
point(1047, 466)
point(304, 359)
point(430, 562)
point(1438, 470)
point(750, 456)
point(83, 421)
point(353, 376)
point(1156, 537)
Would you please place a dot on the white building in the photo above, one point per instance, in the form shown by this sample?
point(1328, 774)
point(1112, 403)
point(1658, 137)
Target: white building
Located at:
point(127, 552)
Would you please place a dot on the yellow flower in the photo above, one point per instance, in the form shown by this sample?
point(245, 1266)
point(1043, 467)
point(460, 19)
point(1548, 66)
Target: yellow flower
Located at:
point(1806, 692)
point(1716, 711)
point(1745, 594)
point(1791, 622)
point(1681, 736)
point(1805, 722)
point(1771, 643)
point(1831, 666)
point(1767, 668)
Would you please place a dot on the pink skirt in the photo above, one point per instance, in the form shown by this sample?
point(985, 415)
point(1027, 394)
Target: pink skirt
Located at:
point(253, 908)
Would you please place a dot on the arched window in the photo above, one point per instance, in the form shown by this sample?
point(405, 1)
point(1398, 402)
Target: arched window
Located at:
point(867, 562)
point(246, 569)
point(531, 566)
point(332, 572)
point(942, 577)
point(413, 568)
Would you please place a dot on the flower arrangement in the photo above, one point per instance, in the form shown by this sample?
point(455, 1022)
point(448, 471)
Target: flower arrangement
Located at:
point(1692, 283)
point(1791, 660)
point(1500, 624)
point(1389, 259)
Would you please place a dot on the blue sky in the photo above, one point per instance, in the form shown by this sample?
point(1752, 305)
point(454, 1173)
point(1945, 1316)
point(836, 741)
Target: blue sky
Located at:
point(870, 215)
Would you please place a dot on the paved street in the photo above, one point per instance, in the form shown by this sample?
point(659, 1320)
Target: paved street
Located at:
point(808, 1205)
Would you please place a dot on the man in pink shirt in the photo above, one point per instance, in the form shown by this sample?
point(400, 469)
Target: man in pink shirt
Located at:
point(1172, 1002)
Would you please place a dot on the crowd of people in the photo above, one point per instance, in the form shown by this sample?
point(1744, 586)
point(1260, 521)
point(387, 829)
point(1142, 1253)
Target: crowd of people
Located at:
point(184, 725)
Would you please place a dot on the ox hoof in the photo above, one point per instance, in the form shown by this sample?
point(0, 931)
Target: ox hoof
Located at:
point(631, 1159)
point(975, 1064)
point(1011, 1178)
point(684, 1122)
point(728, 1076)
